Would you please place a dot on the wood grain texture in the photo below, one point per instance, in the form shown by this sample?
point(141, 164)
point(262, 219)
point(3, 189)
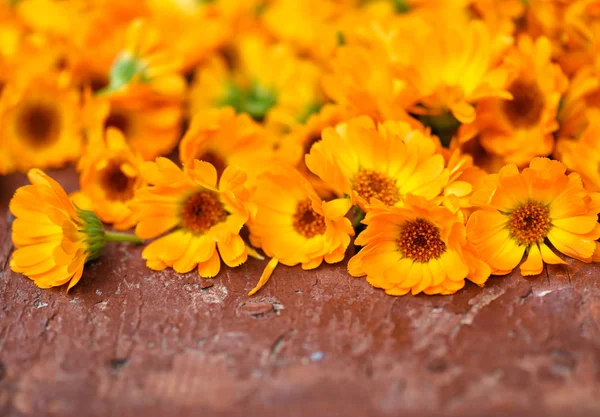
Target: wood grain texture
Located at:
point(129, 341)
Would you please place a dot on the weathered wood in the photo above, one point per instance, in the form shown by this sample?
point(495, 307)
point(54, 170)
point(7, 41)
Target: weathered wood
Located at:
point(127, 340)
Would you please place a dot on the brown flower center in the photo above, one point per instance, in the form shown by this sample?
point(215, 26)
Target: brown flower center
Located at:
point(530, 223)
point(215, 159)
point(116, 184)
point(39, 124)
point(420, 241)
point(526, 108)
point(201, 211)
point(119, 120)
point(307, 222)
point(369, 183)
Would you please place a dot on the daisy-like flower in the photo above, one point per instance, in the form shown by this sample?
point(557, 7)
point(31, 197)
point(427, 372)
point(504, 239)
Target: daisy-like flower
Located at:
point(198, 216)
point(294, 226)
point(40, 120)
point(384, 162)
point(583, 155)
point(525, 213)
point(521, 128)
point(109, 177)
point(419, 247)
point(294, 146)
point(223, 138)
point(54, 239)
point(267, 81)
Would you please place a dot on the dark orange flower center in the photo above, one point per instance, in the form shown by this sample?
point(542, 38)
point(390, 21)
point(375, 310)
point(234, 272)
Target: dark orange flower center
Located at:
point(39, 124)
point(201, 211)
point(530, 223)
point(309, 142)
point(420, 241)
point(119, 120)
point(215, 159)
point(526, 108)
point(372, 184)
point(116, 184)
point(307, 222)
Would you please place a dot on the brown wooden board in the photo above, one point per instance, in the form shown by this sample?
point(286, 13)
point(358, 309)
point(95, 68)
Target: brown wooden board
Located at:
point(127, 341)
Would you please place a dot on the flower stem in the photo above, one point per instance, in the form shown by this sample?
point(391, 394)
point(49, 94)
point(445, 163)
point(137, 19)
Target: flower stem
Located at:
point(122, 237)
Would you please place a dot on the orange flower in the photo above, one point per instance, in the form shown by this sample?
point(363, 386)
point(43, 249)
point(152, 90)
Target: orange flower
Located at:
point(419, 247)
point(109, 178)
point(204, 216)
point(386, 162)
point(294, 226)
point(583, 155)
point(40, 121)
point(524, 213)
point(521, 128)
point(223, 138)
point(54, 239)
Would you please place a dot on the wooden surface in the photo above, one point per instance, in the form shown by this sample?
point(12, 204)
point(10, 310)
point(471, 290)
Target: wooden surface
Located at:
point(129, 341)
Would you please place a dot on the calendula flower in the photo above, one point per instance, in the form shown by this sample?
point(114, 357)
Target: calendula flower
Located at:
point(109, 177)
point(40, 120)
point(197, 215)
point(54, 239)
point(461, 67)
point(580, 104)
point(524, 213)
point(384, 162)
point(223, 138)
point(583, 155)
point(580, 37)
point(150, 123)
point(521, 128)
point(294, 226)
point(419, 247)
point(267, 81)
point(294, 146)
point(147, 61)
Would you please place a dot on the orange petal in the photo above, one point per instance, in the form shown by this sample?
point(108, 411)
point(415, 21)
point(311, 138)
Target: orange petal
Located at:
point(268, 271)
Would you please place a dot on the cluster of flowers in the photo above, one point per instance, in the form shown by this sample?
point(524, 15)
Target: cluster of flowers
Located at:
point(424, 126)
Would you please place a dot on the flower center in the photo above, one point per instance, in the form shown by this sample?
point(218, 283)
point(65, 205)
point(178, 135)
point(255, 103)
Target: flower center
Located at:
point(526, 108)
point(119, 120)
point(39, 124)
point(201, 211)
point(372, 184)
point(530, 223)
point(116, 184)
point(215, 160)
point(307, 222)
point(420, 241)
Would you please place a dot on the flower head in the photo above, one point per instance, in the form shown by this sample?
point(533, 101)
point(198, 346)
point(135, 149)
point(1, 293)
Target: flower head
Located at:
point(384, 162)
point(54, 239)
point(109, 177)
point(530, 212)
point(198, 215)
point(420, 247)
point(223, 138)
point(294, 226)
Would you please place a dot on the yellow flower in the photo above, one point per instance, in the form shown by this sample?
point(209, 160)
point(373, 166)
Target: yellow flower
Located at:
point(150, 123)
point(420, 247)
point(40, 121)
point(294, 146)
point(583, 155)
point(524, 213)
point(109, 178)
point(54, 239)
point(223, 138)
point(461, 67)
point(267, 81)
point(386, 162)
point(204, 216)
point(294, 226)
point(521, 128)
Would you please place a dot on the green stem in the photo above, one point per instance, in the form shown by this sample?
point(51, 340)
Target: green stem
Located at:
point(359, 215)
point(122, 237)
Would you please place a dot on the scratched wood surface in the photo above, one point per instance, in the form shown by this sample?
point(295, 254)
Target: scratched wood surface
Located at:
point(127, 341)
